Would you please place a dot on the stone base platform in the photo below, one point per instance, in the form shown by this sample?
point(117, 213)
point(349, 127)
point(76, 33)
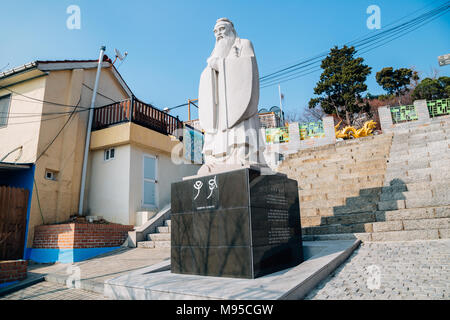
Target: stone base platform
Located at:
point(158, 283)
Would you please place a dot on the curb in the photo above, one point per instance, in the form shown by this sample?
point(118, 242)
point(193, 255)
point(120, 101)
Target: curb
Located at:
point(21, 285)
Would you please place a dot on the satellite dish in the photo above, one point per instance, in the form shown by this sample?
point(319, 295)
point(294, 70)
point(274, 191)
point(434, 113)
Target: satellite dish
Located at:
point(119, 55)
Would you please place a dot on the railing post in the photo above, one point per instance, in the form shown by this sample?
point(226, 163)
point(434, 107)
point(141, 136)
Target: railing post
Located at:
point(384, 113)
point(131, 108)
point(422, 111)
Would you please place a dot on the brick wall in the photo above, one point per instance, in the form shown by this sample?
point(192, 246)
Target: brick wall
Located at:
point(80, 235)
point(12, 270)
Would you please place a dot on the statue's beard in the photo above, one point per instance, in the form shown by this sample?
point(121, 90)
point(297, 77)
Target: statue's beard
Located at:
point(223, 46)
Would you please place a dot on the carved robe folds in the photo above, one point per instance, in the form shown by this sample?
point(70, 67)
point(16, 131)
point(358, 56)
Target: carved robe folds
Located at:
point(228, 106)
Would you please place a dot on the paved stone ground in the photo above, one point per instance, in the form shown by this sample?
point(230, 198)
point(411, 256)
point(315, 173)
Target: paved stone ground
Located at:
point(108, 265)
point(52, 291)
point(97, 269)
point(407, 270)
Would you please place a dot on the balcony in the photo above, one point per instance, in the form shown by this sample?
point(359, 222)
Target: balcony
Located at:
point(136, 111)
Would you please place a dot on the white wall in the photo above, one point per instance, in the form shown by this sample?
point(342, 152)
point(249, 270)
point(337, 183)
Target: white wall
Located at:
point(167, 173)
point(109, 185)
point(116, 186)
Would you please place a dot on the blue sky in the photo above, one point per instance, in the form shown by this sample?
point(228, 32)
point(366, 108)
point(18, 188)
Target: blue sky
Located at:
point(169, 41)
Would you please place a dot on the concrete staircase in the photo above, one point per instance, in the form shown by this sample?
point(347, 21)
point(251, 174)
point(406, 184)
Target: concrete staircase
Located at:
point(373, 191)
point(415, 200)
point(158, 239)
point(391, 187)
point(339, 185)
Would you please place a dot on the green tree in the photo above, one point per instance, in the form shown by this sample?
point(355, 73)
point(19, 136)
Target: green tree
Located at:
point(432, 89)
point(341, 83)
point(396, 82)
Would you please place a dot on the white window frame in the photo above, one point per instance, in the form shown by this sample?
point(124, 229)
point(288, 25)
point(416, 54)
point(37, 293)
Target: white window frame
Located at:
point(108, 151)
point(8, 110)
point(155, 181)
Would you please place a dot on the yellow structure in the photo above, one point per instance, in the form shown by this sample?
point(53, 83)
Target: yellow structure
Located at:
point(350, 132)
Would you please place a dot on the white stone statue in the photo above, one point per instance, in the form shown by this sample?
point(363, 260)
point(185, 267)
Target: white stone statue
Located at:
point(228, 104)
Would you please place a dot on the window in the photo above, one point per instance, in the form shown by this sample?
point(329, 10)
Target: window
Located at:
point(149, 198)
point(109, 154)
point(50, 174)
point(5, 102)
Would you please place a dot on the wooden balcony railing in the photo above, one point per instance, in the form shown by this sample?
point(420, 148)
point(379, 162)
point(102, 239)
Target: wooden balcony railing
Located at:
point(138, 112)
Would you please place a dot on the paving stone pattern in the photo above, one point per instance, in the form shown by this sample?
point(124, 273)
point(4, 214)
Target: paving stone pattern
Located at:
point(109, 265)
point(52, 291)
point(418, 270)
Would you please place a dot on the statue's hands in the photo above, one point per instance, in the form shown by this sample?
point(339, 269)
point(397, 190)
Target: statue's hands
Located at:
point(213, 62)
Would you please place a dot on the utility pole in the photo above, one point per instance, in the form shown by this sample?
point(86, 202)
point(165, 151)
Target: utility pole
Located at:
point(88, 132)
point(281, 103)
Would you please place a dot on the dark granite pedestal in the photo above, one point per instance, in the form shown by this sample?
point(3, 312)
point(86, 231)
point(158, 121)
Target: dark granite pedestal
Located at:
point(235, 224)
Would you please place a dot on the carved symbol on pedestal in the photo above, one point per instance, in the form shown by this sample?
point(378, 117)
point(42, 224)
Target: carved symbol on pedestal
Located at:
point(212, 185)
point(198, 186)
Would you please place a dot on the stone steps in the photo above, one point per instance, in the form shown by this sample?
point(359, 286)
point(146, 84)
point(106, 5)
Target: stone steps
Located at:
point(412, 129)
point(339, 180)
point(154, 244)
point(159, 239)
point(330, 163)
point(404, 195)
point(345, 190)
point(409, 190)
point(158, 236)
point(424, 199)
point(337, 236)
point(336, 228)
point(427, 162)
point(410, 235)
point(414, 214)
point(164, 229)
point(410, 224)
point(416, 186)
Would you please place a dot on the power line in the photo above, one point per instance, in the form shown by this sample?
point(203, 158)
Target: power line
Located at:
point(388, 33)
point(100, 94)
point(39, 100)
point(316, 59)
point(287, 75)
point(59, 132)
point(364, 35)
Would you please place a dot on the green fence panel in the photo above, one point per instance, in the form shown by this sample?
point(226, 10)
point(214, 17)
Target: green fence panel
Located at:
point(277, 135)
point(438, 108)
point(403, 114)
point(311, 130)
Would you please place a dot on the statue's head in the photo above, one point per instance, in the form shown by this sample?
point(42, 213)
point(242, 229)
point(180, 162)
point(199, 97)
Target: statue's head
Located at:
point(225, 36)
point(224, 28)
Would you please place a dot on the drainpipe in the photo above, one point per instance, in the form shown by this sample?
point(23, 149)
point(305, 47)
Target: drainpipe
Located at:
point(88, 132)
